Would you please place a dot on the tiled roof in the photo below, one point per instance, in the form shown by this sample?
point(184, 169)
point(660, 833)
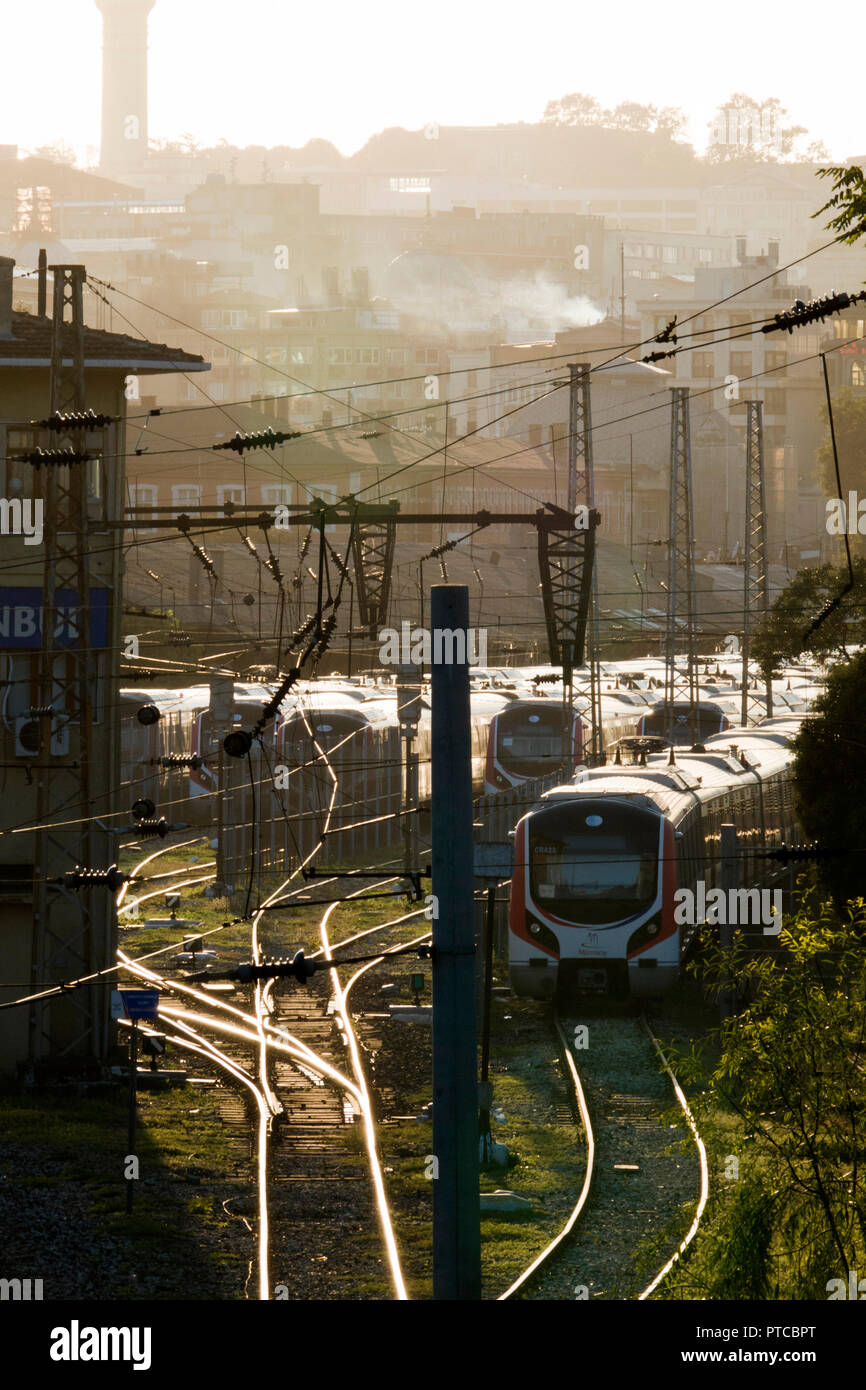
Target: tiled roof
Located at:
point(30, 345)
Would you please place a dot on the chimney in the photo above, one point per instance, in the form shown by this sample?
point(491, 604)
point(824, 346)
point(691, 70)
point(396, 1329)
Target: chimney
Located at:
point(741, 250)
point(7, 265)
point(124, 83)
point(773, 250)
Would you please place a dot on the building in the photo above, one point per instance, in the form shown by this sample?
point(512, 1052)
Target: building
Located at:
point(80, 933)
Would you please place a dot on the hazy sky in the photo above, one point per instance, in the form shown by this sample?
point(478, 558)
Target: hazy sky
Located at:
point(274, 72)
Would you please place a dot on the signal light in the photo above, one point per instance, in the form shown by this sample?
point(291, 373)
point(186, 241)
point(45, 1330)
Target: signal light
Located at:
point(238, 743)
point(148, 714)
point(143, 808)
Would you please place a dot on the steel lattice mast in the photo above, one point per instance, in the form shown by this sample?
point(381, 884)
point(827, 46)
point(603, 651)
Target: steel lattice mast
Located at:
point(755, 579)
point(681, 680)
point(72, 932)
point(570, 556)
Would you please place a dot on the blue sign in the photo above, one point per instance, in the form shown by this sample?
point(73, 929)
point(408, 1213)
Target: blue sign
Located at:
point(21, 616)
point(135, 1003)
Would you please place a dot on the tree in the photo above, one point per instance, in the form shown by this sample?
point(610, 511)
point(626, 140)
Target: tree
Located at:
point(830, 774)
point(58, 153)
point(790, 1069)
point(848, 202)
point(751, 132)
point(781, 638)
point(579, 109)
point(574, 109)
point(849, 423)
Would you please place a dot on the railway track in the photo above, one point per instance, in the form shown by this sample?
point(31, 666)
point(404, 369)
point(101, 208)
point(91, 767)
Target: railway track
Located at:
point(637, 1184)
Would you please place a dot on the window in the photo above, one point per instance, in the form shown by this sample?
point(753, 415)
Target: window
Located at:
point(776, 362)
point(396, 357)
point(370, 355)
point(340, 355)
point(231, 492)
point(705, 255)
point(741, 363)
point(775, 402)
point(222, 318)
point(703, 364)
point(142, 495)
point(858, 374)
point(401, 184)
point(535, 434)
point(427, 357)
point(302, 355)
point(669, 253)
point(277, 494)
point(186, 495)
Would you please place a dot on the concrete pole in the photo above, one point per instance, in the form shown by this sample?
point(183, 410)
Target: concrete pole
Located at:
point(456, 1205)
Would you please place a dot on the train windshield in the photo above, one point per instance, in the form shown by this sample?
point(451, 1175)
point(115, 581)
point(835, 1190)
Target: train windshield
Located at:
point(594, 862)
point(709, 720)
point(529, 741)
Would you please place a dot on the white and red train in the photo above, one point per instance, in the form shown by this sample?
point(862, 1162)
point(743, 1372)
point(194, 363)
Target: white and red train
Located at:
point(597, 862)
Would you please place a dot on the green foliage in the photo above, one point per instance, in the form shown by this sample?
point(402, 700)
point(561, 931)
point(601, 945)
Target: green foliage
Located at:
point(790, 1068)
point(738, 1261)
point(782, 637)
point(849, 421)
point(830, 775)
point(847, 201)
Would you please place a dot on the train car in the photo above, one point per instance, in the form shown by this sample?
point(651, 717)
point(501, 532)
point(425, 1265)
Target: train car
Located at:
point(676, 725)
point(525, 738)
point(173, 733)
point(598, 862)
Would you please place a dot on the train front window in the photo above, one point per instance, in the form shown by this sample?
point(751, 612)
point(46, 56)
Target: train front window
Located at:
point(594, 864)
point(529, 742)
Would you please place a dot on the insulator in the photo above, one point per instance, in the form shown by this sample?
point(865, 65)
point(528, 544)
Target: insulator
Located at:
point(177, 760)
point(63, 422)
point(41, 711)
point(110, 878)
point(262, 439)
point(151, 826)
point(60, 457)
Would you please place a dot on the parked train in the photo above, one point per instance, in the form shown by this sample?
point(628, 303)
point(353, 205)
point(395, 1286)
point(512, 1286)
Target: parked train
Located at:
point(597, 862)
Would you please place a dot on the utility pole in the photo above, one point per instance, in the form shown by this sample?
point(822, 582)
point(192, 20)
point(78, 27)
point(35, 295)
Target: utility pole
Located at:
point(408, 714)
point(755, 578)
point(622, 290)
point(456, 1205)
point(680, 685)
point(631, 499)
point(581, 493)
point(73, 933)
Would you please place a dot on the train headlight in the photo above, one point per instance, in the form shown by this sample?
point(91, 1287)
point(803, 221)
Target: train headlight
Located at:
point(535, 928)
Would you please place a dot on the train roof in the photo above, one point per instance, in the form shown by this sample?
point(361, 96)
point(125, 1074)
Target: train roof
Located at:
point(672, 788)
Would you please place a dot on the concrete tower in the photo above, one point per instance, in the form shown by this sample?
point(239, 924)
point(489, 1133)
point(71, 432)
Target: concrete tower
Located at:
point(124, 83)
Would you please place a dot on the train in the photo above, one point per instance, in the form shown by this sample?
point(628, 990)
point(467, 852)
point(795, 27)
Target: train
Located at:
point(598, 862)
